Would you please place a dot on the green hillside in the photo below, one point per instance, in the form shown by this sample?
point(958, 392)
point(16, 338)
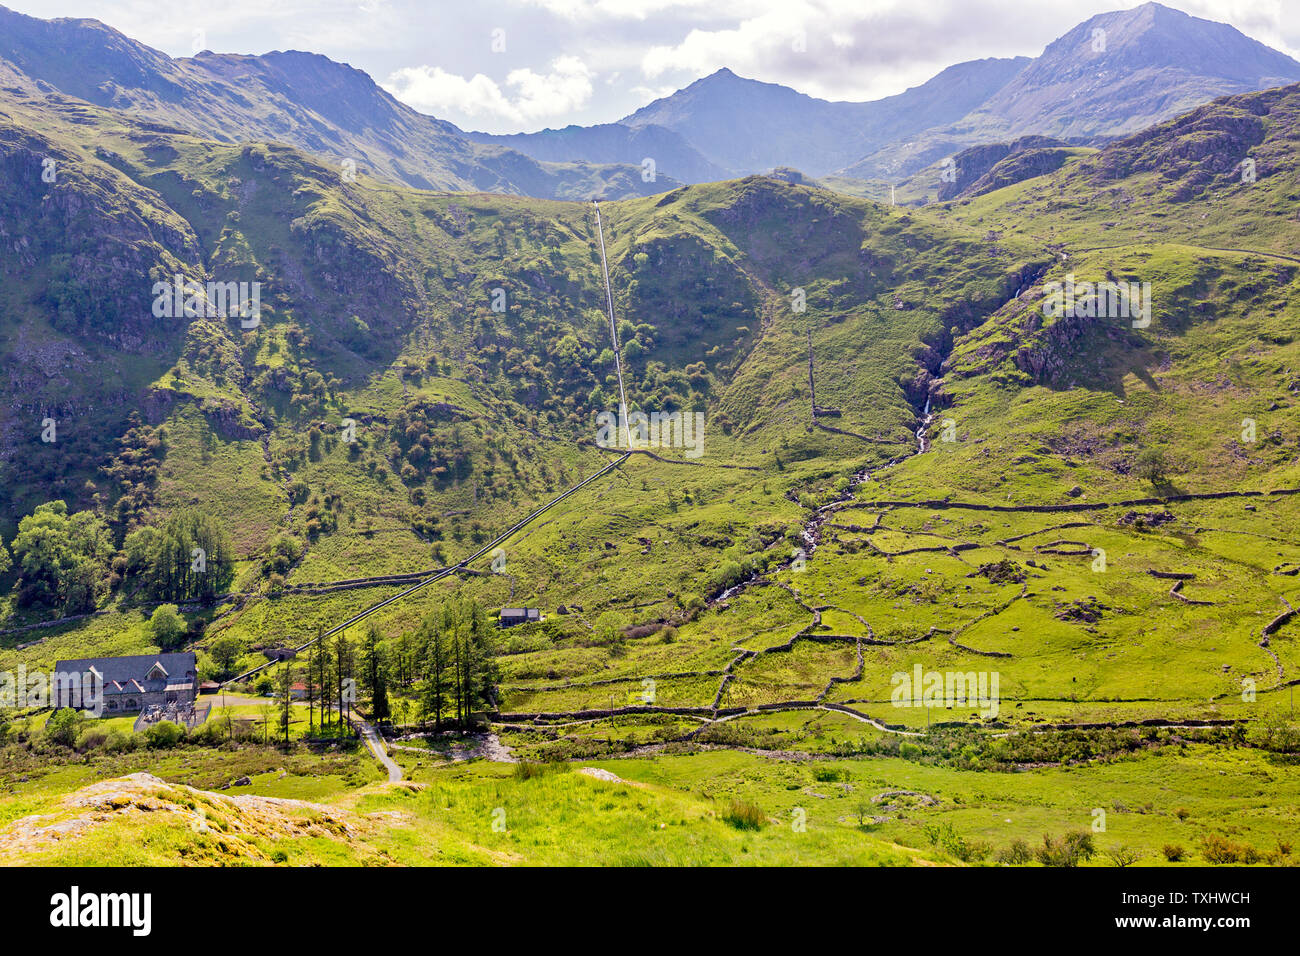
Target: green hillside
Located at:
point(1098, 512)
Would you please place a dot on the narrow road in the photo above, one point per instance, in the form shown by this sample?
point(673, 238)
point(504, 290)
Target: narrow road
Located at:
point(376, 745)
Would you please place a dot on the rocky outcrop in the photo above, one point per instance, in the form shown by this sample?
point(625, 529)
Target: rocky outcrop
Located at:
point(976, 168)
point(1208, 146)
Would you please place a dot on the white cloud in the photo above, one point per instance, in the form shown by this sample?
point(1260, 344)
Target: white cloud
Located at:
point(566, 88)
point(744, 47)
point(629, 9)
point(432, 89)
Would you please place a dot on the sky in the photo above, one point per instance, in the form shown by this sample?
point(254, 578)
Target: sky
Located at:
point(505, 66)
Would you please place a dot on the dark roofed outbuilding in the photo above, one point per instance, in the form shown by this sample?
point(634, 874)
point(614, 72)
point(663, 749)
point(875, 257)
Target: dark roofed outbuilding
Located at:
point(510, 616)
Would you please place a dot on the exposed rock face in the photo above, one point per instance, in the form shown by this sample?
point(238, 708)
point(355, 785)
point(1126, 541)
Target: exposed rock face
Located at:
point(982, 169)
point(1221, 144)
point(1019, 166)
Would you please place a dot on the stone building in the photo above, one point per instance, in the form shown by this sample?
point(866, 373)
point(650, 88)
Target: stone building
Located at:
point(129, 684)
point(510, 616)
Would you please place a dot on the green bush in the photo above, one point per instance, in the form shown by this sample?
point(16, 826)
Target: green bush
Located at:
point(1017, 853)
point(92, 738)
point(164, 734)
point(210, 734)
point(1069, 849)
point(121, 741)
point(1152, 465)
point(1220, 850)
point(950, 841)
point(167, 627)
point(63, 727)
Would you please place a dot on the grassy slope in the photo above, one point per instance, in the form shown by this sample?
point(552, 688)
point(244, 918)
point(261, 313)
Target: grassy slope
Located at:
point(671, 810)
point(1219, 350)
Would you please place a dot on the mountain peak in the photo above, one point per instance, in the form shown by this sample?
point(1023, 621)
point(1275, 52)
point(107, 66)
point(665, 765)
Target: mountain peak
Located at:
point(1156, 36)
point(725, 80)
point(1123, 70)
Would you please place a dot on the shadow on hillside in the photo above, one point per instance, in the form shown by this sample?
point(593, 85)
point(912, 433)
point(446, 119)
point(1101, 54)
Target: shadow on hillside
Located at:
point(1102, 362)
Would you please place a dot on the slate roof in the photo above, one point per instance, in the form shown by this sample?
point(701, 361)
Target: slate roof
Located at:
point(123, 675)
point(519, 615)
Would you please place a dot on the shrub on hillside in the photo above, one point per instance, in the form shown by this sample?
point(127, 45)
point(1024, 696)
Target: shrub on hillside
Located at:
point(63, 727)
point(164, 735)
point(1070, 849)
point(1016, 853)
point(744, 815)
point(121, 741)
point(1152, 465)
point(167, 627)
point(92, 738)
point(1220, 850)
point(953, 843)
point(210, 734)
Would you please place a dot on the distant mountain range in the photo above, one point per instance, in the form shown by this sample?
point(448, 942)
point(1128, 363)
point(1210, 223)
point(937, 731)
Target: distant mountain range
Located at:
point(734, 126)
point(299, 99)
point(1109, 76)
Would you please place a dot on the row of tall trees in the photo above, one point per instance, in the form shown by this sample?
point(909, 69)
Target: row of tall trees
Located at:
point(442, 673)
point(457, 672)
point(331, 680)
point(188, 558)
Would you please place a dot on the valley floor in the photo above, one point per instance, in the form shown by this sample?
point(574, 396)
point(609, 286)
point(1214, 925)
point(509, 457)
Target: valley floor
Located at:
point(1179, 803)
